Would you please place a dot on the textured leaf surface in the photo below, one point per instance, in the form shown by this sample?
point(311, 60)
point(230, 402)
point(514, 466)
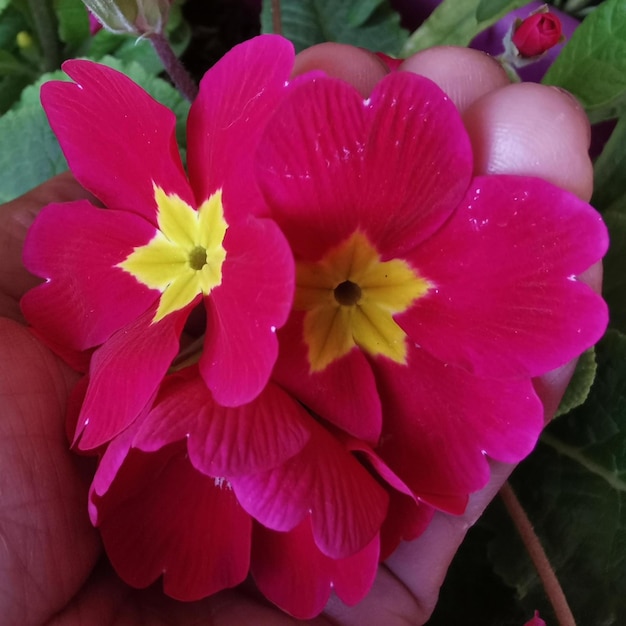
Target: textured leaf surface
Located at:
point(578, 388)
point(614, 266)
point(609, 180)
point(593, 63)
point(372, 24)
point(573, 488)
point(73, 21)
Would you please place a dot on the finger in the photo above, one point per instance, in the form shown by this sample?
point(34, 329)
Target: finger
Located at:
point(464, 74)
point(48, 545)
point(15, 219)
point(422, 564)
point(517, 129)
point(355, 65)
point(532, 130)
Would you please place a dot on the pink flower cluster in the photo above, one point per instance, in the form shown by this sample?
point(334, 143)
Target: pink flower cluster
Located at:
point(299, 346)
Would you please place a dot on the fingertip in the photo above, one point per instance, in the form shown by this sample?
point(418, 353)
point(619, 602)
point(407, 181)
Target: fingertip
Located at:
point(463, 74)
point(361, 68)
point(532, 130)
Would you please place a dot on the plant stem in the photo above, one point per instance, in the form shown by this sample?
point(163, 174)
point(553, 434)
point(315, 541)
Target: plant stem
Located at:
point(538, 556)
point(45, 23)
point(176, 70)
point(277, 22)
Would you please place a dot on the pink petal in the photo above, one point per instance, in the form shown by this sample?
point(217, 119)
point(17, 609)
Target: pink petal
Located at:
point(346, 504)
point(505, 301)
point(407, 518)
point(344, 393)
point(225, 441)
point(291, 571)
point(394, 165)
point(535, 621)
point(86, 298)
point(162, 517)
point(117, 139)
point(253, 300)
point(125, 374)
point(237, 96)
point(440, 422)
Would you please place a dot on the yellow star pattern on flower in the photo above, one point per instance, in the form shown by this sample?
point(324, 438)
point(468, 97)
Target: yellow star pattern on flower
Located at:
point(350, 297)
point(185, 256)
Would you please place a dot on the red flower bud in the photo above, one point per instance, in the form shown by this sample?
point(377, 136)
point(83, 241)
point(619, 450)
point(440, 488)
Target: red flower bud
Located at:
point(536, 34)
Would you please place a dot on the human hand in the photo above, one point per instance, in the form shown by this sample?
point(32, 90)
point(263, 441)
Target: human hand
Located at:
point(53, 565)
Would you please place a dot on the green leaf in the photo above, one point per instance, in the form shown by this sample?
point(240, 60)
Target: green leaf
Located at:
point(609, 180)
point(578, 389)
point(3, 5)
point(29, 152)
point(488, 9)
point(307, 22)
point(11, 24)
point(10, 89)
point(592, 65)
point(360, 12)
point(614, 288)
point(9, 65)
point(573, 488)
point(472, 593)
point(73, 21)
point(456, 23)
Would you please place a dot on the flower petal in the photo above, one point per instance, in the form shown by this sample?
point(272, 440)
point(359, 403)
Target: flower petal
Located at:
point(76, 247)
point(407, 517)
point(344, 393)
point(244, 312)
point(505, 301)
point(117, 139)
point(290, 571)
point(346, 504)
point(237, 96)
point(125, 374)
point(441, 421)
point(224, 441)
point(161, 516)
point(394, 165)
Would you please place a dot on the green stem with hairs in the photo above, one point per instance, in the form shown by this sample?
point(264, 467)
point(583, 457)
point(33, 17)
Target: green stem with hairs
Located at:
point(538, 556)
point(173, 66)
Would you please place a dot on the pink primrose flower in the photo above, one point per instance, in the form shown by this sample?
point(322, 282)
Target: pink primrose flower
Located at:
point(427, 299)
point(121, 282)
point(206, 494)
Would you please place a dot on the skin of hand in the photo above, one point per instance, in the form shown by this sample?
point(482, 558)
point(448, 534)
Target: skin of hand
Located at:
point(52, 567)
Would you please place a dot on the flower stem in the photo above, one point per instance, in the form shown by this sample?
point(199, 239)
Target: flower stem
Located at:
point(538, 556)
point(176, 70)
point(277, 22)
point(45, 23)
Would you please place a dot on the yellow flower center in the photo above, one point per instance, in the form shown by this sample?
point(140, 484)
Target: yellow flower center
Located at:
point(350, 297)
point(185, 256)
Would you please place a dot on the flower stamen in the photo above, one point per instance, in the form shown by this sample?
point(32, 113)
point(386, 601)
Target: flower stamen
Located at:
point(347, 293)
point(350, 297)
point(197, 258)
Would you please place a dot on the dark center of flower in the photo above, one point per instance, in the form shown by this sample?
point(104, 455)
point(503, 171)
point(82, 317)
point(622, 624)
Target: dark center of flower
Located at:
point(197, 258)
point(347, 293)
